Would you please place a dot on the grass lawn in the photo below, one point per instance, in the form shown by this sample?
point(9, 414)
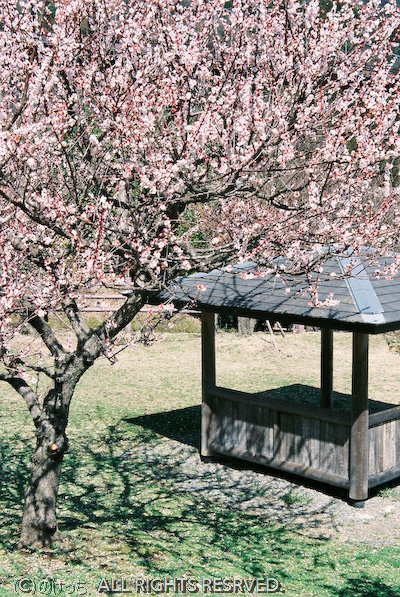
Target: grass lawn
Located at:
point(135, 500)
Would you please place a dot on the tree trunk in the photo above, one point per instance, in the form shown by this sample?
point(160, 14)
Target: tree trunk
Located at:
point(39, 520)
point(246, 326)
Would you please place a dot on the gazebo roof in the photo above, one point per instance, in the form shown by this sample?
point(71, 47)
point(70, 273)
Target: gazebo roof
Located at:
point(357, 302)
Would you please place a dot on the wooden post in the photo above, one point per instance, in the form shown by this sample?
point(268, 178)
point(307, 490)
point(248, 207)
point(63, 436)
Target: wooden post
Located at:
point(326, 368)
point(208, 378)
point(359, 441)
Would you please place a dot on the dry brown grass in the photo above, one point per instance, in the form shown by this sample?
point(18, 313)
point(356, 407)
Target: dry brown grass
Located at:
point(253, 364)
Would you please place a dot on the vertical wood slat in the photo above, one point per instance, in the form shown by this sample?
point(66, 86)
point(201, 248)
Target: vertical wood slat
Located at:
point(397, 447)
point(372, 463)
point(226, 423)
point(257, 428)
point(303, 446)
point(242, 426)
point(208, 379)
point(342, 450)
point(329, 447)
point(268, 434)
point(315, 439)
point(388, 445)
point(326, 368)
point(378, 449)
point(276, 436)
point(288, 425)
point(359, 443)
point(253, 437)
point(285, 434)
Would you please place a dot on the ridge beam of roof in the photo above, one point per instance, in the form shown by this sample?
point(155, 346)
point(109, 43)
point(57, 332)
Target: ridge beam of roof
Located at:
point(362, 291)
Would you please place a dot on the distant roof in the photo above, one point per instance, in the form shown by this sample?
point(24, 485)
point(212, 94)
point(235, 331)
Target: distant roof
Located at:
point(357, 302)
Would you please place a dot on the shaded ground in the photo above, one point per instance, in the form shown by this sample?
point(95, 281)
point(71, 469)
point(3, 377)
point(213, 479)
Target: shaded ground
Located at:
point(377, 523)
point(136, 501)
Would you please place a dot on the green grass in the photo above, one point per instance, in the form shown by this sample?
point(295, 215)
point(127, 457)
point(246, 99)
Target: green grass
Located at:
point(136, 501)
point(390, 492)
point(294, 498)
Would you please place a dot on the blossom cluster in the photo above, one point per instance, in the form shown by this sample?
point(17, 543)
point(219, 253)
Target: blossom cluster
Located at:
point(276, 124)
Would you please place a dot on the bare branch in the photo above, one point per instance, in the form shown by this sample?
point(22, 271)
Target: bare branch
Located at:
point(14, 364)
point(47, 335)
point(30, 397)
point(120, 319)
point(80, 328)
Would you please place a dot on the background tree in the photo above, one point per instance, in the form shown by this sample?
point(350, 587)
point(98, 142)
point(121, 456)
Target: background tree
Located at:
point(119, 118)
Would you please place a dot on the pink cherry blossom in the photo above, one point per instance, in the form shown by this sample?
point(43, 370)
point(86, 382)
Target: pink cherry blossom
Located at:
point(143, 140)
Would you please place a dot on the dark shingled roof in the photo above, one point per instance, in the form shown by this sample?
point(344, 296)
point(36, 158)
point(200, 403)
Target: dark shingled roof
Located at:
point(365, 303)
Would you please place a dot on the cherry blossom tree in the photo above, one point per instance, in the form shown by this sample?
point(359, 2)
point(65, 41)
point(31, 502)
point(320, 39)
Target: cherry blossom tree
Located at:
point(128, 129)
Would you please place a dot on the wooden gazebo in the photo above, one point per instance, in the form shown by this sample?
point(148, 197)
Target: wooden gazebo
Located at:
point(354, 451)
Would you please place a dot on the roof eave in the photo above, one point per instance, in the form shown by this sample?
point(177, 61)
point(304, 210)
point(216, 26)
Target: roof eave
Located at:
point(289, 319)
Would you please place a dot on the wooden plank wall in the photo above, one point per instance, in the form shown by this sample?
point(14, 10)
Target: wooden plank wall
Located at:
point(291, 437)
point(384, 444)
point(272, 432)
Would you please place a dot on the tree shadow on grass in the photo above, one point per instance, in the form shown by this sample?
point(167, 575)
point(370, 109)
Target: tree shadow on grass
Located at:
point(182, 425)
point(15, 455)
point(148, 488)
point(145, 491)
point(364, 587)
point(173, 511)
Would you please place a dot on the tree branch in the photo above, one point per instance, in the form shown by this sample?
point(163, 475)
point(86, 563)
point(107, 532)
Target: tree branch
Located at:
point(120, 319)
point(81, 329)
point(47, 335)
point(36, 368)
point(30, 397)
